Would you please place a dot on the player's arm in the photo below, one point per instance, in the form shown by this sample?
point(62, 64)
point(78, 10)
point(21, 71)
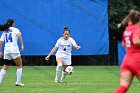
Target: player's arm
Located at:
point(136, 37)
point(21, 41)
point(52, 51)
point(124, 21)
point(1, 41)
point(123, 44)
point(136, 41)
point(76, 46)
point(0, 49)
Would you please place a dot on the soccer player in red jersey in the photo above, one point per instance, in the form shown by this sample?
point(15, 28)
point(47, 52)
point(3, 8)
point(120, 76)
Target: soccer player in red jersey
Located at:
point(131, 63)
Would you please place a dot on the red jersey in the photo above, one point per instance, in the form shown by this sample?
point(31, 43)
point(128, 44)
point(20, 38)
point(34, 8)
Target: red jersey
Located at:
point(131, 61)
point(132, 51)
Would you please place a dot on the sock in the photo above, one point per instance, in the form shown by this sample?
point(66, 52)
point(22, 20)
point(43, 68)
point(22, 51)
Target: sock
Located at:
point(58, 69)
point(121, 89)
point(63, 75)
point(2, 74)
point(19, 75)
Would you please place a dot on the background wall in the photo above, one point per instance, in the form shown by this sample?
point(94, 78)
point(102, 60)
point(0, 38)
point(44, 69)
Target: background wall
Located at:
point(42, 23)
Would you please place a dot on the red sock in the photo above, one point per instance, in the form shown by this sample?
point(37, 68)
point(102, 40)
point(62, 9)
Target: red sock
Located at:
point(121, 89)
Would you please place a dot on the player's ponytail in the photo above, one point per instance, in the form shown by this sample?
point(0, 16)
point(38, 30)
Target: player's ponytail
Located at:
point(2, 27)
point(5, 27)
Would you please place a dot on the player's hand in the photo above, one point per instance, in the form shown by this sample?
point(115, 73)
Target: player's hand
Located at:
point(0, 54)
point(47, 58)
point(78, 47)
point(22, 47)
point(119, 25)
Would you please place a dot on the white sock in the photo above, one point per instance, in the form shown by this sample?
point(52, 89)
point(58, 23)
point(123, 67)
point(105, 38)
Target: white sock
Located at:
point(63, 74)
point(58, 69)
point(19, 75)
point(2, 74)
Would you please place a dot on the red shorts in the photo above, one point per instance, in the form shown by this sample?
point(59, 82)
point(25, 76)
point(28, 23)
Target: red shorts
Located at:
point(132, 66)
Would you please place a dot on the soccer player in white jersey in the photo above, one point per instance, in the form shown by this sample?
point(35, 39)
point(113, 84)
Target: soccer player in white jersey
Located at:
point(10, 36)
point(63, 54)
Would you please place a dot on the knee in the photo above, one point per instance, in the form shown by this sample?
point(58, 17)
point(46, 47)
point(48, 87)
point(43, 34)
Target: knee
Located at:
point(125, 83)
point(59, 64)
point(5, 67)
point(20, 66)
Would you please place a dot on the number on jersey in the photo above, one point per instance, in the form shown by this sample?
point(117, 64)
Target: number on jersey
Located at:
point(127, 35)
point(8, 37)
point(127, 40)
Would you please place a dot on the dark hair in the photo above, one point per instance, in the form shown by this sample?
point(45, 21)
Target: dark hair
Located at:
point(66, 29)
point(134, 16)
point(6, 26)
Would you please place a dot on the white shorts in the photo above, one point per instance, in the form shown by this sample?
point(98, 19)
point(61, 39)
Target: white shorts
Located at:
point(65, 60)
point(10, 56)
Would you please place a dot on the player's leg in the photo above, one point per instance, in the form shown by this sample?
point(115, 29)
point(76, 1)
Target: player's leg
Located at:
point(63, 73)
point(7, 59)
point(138, 77)
point(18, 62)
point(4, 69)
point(138, 74)
point(58, 68)
point(136, 69)
point(66, 63)
point(125, 82)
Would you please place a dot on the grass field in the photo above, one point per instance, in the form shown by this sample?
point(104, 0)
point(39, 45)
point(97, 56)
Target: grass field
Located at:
point(85, 79)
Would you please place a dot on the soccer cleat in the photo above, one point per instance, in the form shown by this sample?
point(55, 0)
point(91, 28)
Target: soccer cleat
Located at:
point(62, 80)
point(20, 84)
point(56, 80)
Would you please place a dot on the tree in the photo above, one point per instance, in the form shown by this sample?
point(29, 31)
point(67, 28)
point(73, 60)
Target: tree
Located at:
point(118, 9)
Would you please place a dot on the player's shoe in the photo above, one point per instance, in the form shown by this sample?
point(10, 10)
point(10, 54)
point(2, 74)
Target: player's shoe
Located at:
point(20, 84)
point(56, 80)
point(62, 80)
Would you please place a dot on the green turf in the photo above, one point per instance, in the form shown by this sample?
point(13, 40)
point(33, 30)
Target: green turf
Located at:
point(85, 79)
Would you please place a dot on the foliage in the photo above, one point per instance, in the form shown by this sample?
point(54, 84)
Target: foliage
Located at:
point(118, 9)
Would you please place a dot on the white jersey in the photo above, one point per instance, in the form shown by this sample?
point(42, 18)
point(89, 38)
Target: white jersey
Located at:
point(10, 38)
point(64, 47)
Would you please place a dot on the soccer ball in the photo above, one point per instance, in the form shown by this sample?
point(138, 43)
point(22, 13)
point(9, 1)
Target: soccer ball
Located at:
point(69, 70)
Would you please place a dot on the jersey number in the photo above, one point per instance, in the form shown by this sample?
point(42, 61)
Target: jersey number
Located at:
point(127, 40)
point(8, 37)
